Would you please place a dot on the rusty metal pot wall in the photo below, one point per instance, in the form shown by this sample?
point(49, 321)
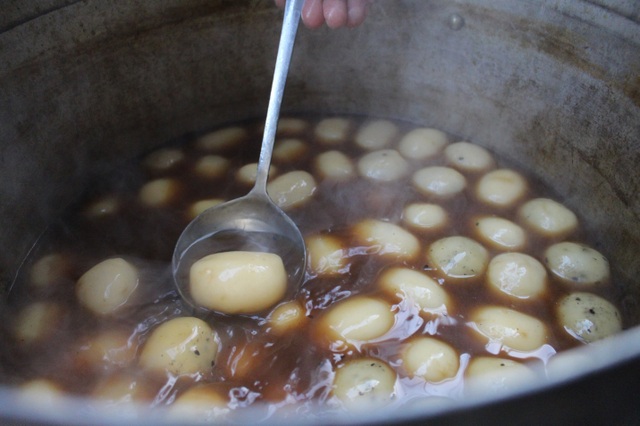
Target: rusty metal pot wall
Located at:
point(551, 86)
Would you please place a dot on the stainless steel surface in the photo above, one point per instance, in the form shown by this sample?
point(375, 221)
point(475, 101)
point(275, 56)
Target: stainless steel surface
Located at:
point(553, 86)
point(255, 212)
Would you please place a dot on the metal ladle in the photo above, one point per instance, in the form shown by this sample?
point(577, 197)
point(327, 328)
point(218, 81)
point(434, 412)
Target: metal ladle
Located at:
point(253, 222)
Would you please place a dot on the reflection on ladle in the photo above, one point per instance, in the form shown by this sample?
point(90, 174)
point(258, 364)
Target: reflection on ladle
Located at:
point(252, 223)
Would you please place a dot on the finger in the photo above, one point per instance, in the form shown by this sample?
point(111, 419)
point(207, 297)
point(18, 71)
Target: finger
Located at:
point(335, 13)
point(357, 12)
point(280, 3)
point(312, 13)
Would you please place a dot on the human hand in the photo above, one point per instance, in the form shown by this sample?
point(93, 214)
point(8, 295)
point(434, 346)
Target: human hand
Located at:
point(336, 13)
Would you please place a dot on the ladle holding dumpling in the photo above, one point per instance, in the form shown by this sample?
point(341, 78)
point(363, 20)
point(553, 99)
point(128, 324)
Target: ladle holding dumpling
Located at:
point(243, 256)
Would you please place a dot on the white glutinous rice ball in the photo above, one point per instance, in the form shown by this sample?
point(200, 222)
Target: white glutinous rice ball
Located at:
point(501, 188)
point(334, 165)
point(223, 139)
point(439, 181)
point(577, 264)
point(430, 359)
point(417, 288)
point(159, 192)
point(421, 144)
point(588, 317)
point(494, 375)
point(292, 189)
point(238, 282)
point(332, 131)
point(124, 391)
point(387, 239)
point(507, 328)
point(425, 216)
point(517, 275)
point(376, 134)
point(468, 157)
point(183, 345)
point(364, 384)
point(458, 257)
point(358, 319)
point(107, 286)
point(326, 255)
point(501, 233)
point(385, 165)
point(548, 217)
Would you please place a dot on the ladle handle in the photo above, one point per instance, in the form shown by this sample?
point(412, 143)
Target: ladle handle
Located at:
point(292, 13)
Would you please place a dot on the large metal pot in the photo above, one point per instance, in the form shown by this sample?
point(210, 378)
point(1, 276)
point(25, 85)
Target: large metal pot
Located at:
point(551, 86)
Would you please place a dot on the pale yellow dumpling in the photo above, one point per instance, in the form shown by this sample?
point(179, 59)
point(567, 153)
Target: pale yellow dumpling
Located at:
point(326, 255)
point(501, 233)
point(422, 143)
point(415, 287)
point(376, 134)
point(108, 350)
point(159, 192)
point(49, 270)
point(200, 206)
point(577, 263)
point(588, 317)
point(287, 317)
point(548, 217)
point(223, 139)
point(359, 319)
point(387, 239)
point(238, 282)
point(291, 125)
point(107, 286)
point(123, 390)
point(504, 327)
point(37, 321)
point(292, 189)
point(439, 181)
point(517, 275)
point(41, 393)
point(184, 345)
point(496, 375)
point(332, 131)
point(247, 173)
point(501, 188)
point(425, 216)
point(334, 165)
point(366, 383)
point(431, 359)
point(211, 167)
point(385, 165)
point(289, 150)
point(200, 404)
point(468, 157)
point(458, 257)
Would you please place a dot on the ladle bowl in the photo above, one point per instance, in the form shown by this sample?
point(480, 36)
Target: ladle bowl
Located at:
point(253, 222)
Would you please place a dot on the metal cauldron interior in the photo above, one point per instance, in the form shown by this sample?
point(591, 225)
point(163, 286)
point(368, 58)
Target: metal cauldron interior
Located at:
point(551, 87)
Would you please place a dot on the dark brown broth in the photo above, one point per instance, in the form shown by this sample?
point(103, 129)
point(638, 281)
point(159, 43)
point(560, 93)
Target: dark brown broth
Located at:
point(253, 363)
